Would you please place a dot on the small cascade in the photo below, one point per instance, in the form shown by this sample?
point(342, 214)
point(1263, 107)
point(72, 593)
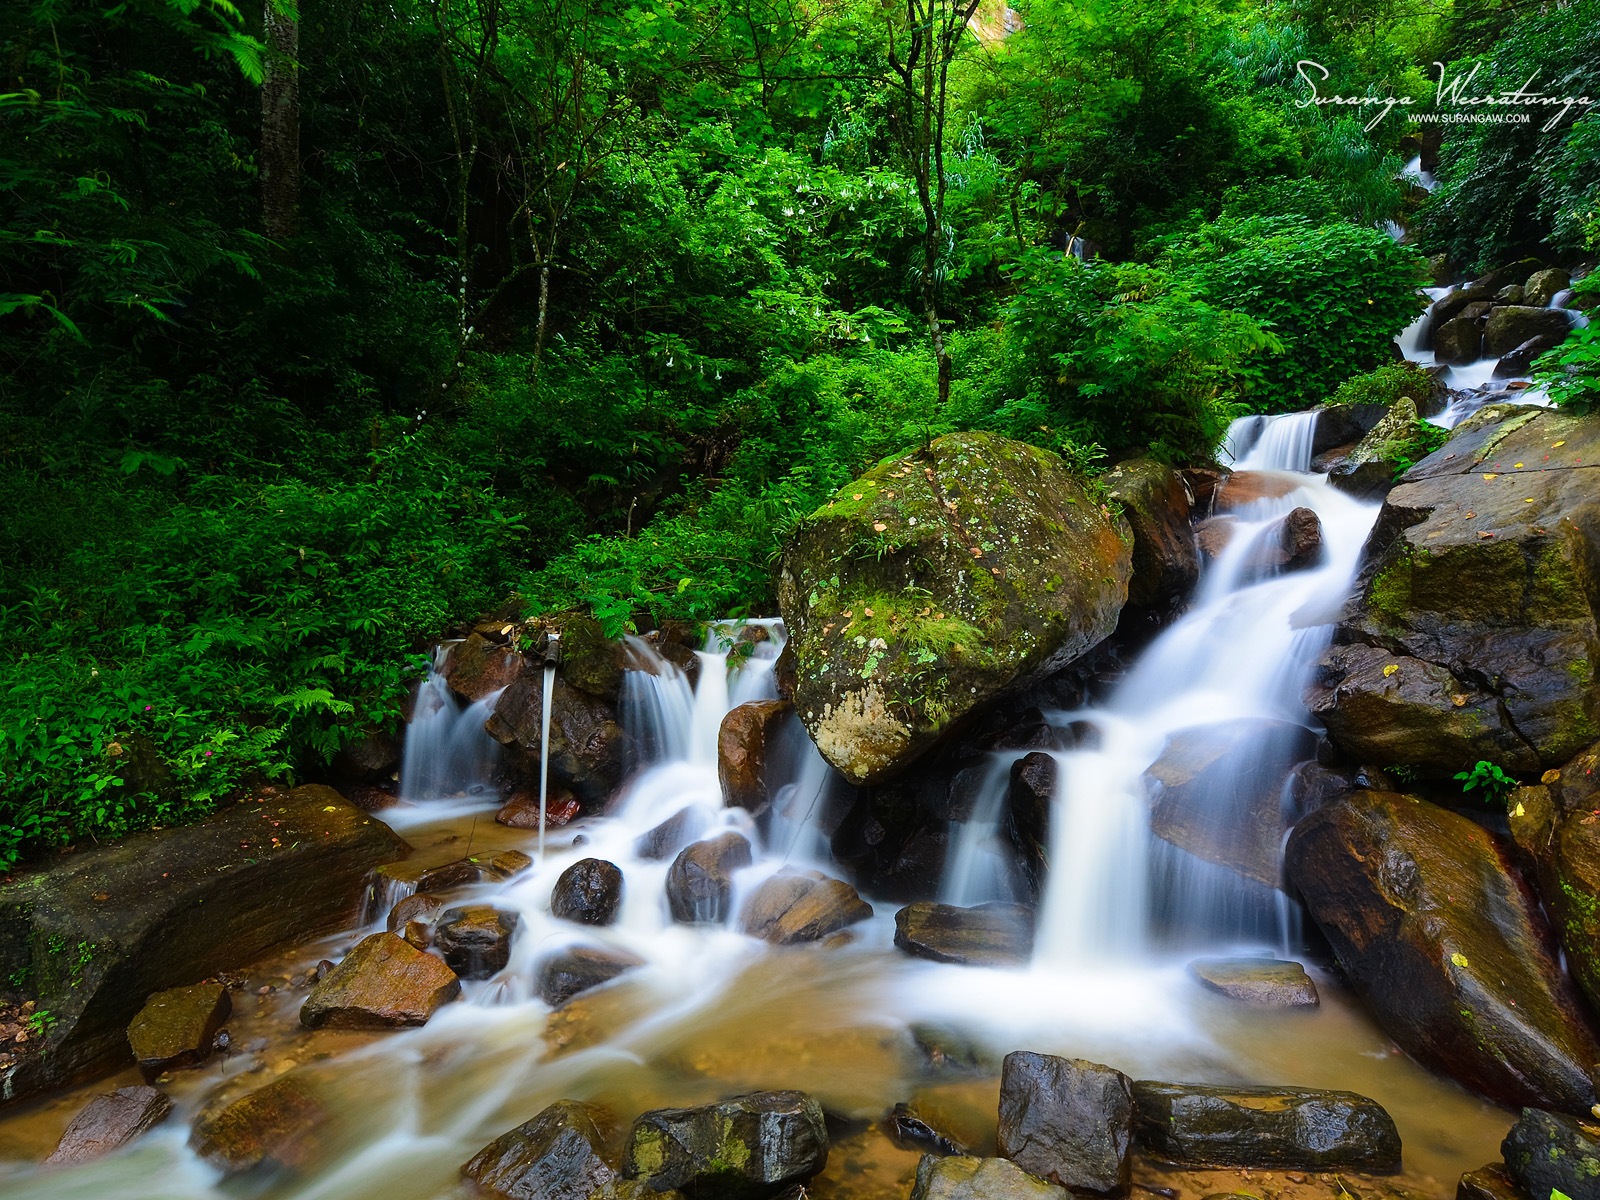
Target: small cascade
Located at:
point(447, 752)
point(552, 656)
point(1263, 443)
point(1413, 171)
point(981, 867)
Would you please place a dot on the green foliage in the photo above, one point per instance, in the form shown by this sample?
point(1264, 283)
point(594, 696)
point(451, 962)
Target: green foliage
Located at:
point(1385, 385)
point(1491, 783)
point(1571, 371)
point(1421, 440)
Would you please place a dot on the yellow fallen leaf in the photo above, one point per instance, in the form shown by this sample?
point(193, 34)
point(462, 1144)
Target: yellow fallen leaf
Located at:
point(1527, 499)
point(1459, 959)
point(331, 808)
point(856, 496)
point(1491, 475)
point(1459, 699)
point(1519, 811)
point(1553, 775)
point(1390, 669)
point(1516, 464)
point(1558, 445)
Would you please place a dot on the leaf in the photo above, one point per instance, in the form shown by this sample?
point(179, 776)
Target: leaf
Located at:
point(1459, 959)
point(1390, 669)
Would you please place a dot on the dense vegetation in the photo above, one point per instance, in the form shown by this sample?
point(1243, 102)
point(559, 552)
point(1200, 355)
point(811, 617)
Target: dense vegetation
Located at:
point(322, 332)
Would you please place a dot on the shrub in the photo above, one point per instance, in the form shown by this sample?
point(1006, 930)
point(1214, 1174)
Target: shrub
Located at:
point(1386, 385)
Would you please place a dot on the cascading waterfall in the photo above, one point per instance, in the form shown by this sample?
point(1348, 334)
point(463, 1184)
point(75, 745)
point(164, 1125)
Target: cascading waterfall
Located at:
point(552, 656)
point(447, 753)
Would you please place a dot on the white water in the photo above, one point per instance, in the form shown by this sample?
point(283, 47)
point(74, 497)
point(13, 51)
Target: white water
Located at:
point(447, 753)
point(548, 701)
point(1414, 172)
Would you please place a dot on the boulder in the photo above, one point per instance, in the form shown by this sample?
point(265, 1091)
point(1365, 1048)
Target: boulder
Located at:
point(282, 1125)
point(522, 810)
point(672, 835)
point(1510, 325)
point(746, 742)
point(1482, 568)
point(1344, 425)
point(962, 1177)
point(1447, 947)
point(1446, 307)
point(372, 759)
point(477, 668)
point(1512, 293)
point(578, 968)
point(1290, 543)
point(421, 907)
point(1030, 797)
point(177, 1027)
point(989, 935)
point(1488, 1183)
point(1458, 341)
point(700, 880)
point(476, 940)
point(746, 1148)
point(1203, 483)
point(558, 1155)
point(987, 567)
point(1217, 792)
point(1068, 1121)
point(1291, 1129)
point(1155, 500)
point(383, 983)
point(108, 1123)
point(162, 909)
point(1368, 471)
point(1213, 534)
point(1242, 488)
point(1548, 1152)
point(794, 907)
point(1519, 362)
point(1543, 286)
point(1261, 982)
point(589, 750)
point(589, 892)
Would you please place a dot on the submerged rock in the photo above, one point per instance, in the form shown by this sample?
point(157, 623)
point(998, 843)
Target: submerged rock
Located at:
point(476, 940)
point(1068, 1121)
point(1297, 1129)
point(1447, 947)
point(578, 968)
point(671, 836)
point(281, 1125)
point(1262, 982)
point(108, 1123)
point(522, 810)
point(383, 983)
point(1548, 1152)
point(967, 1178)
point(176, 1028)
point(589, 892)
point(700, 883)
point(989, 568)
point(555, 1156)
point(794, 907)
point(910, 1130)
point(746, 1148)
point(1488, 1183)
point(1155, 501)
point(746, 743)
point(988, 935)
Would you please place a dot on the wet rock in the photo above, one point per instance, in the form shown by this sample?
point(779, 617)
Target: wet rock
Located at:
point(476, 668)
point(1548, 1152)
point(1203, 484)
point(1020, 575)
point(578, 968)
point(108, 1123)
point(1542, 286)
point(1445, 944)
point(746, 742)
point(1510, 325)
point(1368, 472)
point(967, 1178)
point(1520, 360)
point(946, 1050)
point(1213, 535)
point(522, 810)
point(1029, 799)
point(508, 864)
point(1290, 543)
point(421, 907)
point(383, 983)
point(746, 1148)
point(1458, 341)
point(589, 892)
point(671, 836)
point(280, 1125)
point(1295, 1129)
point(555, 1156)
point(988, 935)
point(162, 909)
point(1068, 1121)
point(373, 758)
point(1156, 503)
point(1217, 792)
point(1512, 293)
point(1344, 425)
point(794, 907)
point(476, 940)
point(1488, 1183)
point(1445, 309)
point(910, 1130)
point(1263, 983)
point(700, 883)
point(1480, 571)
point(589, 751)
point(1242, 488)
point(176, 1028)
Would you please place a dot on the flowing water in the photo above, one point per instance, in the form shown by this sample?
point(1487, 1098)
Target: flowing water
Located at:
point(711, 1012)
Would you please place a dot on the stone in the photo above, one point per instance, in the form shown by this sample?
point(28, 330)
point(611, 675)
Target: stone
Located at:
point(1436, 932)
point(589, 892)
point(508, 864)
point(747, 740)
point(108, 1123)
point(1512, 293)
point(795, 907)
point(176, 1028)
point(282, 1125)
point(1368, 472)
point(988, 935)
point(1548, 1152)
point(161, 909)
point(1445, 309)
point(475, 940)
point(1488, 1183)
point(1292, 542)
point(1458, 341)
point(522, 810)
point(1286, 1129)
point(477, 668)
point(1510, 325)
point(1519, 362)
point(578, 968)
point(558, 1155)
point(1478, 588)
point(372, 759)
point(383, 983)
point(1068, 1121)
point(910, 1130)
point(1213, 534)
point(671, 836)
point(1242, 488)
point(965, 1178)
point(1203, 484)
point(1030, 797)
point(589, 750)
point(990, 569)
point(420, 907)
point(1155, 501)
point(1344, 425)
point(750, 1147)
point(1543, 286)
point(700, 880)
point(1263, 983)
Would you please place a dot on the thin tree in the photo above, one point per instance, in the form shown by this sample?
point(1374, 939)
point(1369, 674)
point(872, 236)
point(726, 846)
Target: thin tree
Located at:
point(280, 121)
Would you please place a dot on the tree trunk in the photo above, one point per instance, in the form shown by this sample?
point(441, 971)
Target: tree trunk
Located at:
point(280, 125)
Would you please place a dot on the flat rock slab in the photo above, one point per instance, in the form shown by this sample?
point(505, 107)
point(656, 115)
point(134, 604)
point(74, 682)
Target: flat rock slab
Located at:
point(1298, 1129)
point(280, 1125)
point(1068, 1121)
point(110, 1122)
point(988, 935)
point(795, 907)
point(748, 1147)
point(383, 983)
point(1491, 1182)
point(176, 1028)
point(961, 1177)
point(555, 1156)
point(1264, 983)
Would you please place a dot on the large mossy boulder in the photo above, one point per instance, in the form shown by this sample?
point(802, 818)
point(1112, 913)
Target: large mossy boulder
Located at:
point(747, 1148)
point(1368, 471)
point(1476, 608)
point(1436, 931)
point(92, 935)
point(938, 580)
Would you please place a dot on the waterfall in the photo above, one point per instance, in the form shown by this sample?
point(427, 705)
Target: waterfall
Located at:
point(447, 753)
point(1281, 443)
